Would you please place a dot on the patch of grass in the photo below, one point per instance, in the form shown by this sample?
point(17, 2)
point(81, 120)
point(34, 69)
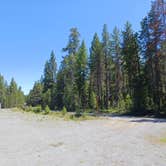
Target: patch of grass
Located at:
point(57, 145)
point(163, 140)
point(64, 111)
point(17, 110)
point(47, 114)
point(114, 111)
point(81, 162)
point(75, 117)
point(46, 110)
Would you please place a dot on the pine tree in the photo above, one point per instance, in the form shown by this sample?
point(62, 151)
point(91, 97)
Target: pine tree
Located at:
point(73, 43)
point(81, 75)
point(162, 63)
point(20, 97)
point(49, 81)
point(106, 44)
point(117, 56)
point(2, 92)
point(70, 95)
point(96, 65)
point(153, 34)
point(131, 63)
point(12, 94)
point(60, 87)
point(50, 73)
point(36, 95)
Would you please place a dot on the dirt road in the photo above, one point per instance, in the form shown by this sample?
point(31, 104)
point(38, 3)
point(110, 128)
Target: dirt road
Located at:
point(32, 140)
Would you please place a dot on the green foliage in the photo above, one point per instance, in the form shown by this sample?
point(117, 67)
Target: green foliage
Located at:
point(122, 105)
point(50, 73)
point(92, 101)
point(163, 140)
point(68, 92)
point(35, 96)
point(37, 109)
point(46, 98)
point(10, 95)
point(29, 109)
point(128, 103)
point(96, 66)
point(47, 110)
point(81, 74)
point(64, 111)
point(78, 112)
point(49, 82)
point(3, 89)
point(152, 38)
point(107, 69)
point(73, 43)
point(124, 72)
point(117, 69)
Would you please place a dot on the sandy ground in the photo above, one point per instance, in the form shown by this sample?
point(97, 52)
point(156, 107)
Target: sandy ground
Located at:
point(36, 141)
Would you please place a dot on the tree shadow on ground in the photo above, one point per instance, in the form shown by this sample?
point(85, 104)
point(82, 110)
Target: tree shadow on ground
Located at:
point(132, 118)
point(146, 120)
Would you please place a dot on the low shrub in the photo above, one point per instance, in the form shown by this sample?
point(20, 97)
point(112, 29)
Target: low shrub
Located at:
point(28, 109)
point(37, 109)
point(47, 110)
point(78, 113)
point(64, 111)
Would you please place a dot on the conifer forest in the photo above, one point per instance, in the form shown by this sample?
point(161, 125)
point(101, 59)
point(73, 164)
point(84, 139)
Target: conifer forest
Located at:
point(122, 70)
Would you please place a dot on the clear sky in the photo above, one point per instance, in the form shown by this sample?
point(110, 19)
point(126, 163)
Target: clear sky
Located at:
point(30, 29)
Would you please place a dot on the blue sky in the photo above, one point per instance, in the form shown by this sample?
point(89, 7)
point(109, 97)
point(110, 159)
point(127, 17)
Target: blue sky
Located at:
point(30, 29)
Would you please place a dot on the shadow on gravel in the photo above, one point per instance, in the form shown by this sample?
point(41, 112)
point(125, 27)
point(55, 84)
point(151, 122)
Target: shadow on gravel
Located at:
point(149, 120)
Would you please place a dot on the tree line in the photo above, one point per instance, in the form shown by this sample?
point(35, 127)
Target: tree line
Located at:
point(10, 95)
point(123, 70)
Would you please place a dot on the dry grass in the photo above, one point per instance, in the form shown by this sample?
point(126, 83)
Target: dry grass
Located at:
point(163, 140)
point(55, 115)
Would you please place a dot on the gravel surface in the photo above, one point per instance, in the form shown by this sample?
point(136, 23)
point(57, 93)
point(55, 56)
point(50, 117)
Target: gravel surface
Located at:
point(34, 140)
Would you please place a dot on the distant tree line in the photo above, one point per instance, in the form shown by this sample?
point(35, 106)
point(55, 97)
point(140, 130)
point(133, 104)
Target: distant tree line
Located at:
point(10, 95)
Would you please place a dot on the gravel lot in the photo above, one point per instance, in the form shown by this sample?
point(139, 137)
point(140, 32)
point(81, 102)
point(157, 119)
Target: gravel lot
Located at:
point(34, 140)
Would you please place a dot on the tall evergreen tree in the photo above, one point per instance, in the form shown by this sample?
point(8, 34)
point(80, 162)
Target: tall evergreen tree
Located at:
point(70, 95)
point(60, 87)
point(131, 63)
point(96, 65)
point(36, 95)
point(81, 75)
point(50, 73)
point(20, 97)
point(13, 93)
point(162, 62)
point(153, 34)
point(106, 44)
point(73, 43)
point(117, 56)
point(2, 92)
point(49, 81)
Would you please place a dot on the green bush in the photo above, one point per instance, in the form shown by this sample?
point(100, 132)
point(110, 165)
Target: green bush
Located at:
point(93, 102)
point(47, 110)
point(122, 106)
point(64, 111)
point(84, 115)
point(78, 112)
point(128, 103)
point(37, 109)
point(28, 109)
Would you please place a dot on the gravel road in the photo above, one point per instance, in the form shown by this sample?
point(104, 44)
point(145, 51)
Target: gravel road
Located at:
point(34, 140)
